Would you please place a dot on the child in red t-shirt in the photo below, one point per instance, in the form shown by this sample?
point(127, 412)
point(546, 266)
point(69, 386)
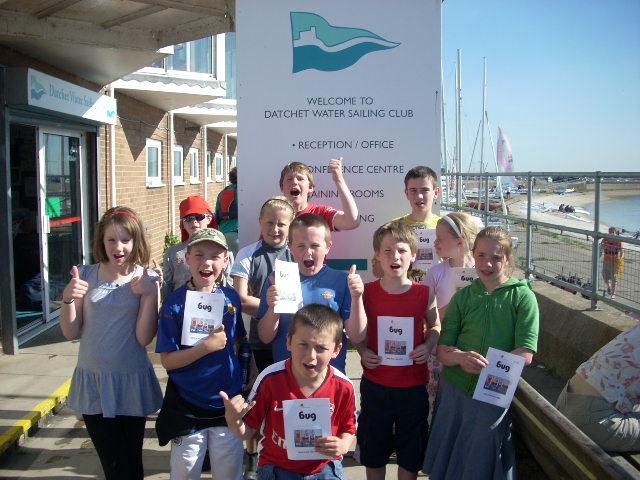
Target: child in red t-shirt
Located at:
point(297, 184)
point(393, 391)
point(314, 339)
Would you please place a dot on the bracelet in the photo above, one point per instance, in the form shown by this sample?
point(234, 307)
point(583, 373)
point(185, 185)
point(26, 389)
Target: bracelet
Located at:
point(70, 302)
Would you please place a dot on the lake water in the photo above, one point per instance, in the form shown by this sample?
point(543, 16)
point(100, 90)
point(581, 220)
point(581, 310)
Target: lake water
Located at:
point(623, 212)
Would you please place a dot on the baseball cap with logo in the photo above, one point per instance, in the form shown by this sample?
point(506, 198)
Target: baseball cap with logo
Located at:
point(209, 235)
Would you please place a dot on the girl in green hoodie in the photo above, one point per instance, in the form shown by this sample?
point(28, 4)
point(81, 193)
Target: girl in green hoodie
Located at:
point(472, 439)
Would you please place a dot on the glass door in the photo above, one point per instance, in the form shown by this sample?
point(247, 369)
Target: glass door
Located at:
point(60, 208)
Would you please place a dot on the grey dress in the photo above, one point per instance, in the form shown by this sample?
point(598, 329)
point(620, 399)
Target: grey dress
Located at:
point(114, 375)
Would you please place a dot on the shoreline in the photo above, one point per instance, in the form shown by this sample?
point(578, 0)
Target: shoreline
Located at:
point(518, 207)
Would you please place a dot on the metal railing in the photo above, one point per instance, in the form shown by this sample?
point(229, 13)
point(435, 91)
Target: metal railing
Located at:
point(555, 223)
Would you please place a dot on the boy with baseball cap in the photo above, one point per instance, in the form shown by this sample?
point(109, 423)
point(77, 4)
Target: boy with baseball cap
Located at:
point(192, 414)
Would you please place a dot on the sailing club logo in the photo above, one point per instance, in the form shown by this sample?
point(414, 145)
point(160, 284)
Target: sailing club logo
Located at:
point(37, 90)
point(321, 46)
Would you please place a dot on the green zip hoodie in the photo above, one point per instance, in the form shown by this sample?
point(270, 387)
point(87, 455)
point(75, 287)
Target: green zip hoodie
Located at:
point(505, 319)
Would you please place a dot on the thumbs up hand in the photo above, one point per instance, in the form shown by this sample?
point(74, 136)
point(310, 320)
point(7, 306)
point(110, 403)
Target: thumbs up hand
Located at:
point(354, 281)
point(144, 285)
point(76, 288)
point(156, 268)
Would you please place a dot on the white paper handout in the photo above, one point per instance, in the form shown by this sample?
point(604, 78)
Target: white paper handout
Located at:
point(305, 420)
point(426, 257)
point(203, 313)
point(288, 281)
point(395, 340)
point(461, 277)
point(499, 380)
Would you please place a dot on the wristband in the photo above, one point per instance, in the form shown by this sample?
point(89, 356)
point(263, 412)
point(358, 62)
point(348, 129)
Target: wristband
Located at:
point(68, 303)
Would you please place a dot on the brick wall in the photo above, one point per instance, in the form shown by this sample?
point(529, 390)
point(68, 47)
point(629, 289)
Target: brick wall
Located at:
point(138, 121)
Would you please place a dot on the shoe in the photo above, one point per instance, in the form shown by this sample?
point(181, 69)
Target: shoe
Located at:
point(250, 466)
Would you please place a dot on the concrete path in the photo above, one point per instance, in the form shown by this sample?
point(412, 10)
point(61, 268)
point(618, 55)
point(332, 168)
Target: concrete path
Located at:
point(59, 446)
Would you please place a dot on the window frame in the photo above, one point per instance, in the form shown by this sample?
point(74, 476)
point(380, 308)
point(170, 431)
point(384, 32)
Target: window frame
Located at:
point(188, 60)
point(219, 160)
point(154, 180)
point(177, 179)
point(208, 169)
point(194, 178)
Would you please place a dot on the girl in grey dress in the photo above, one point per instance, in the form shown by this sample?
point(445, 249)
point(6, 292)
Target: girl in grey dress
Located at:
point(112, 306)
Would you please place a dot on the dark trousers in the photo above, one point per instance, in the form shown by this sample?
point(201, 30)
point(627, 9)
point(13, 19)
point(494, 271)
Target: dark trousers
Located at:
point(118, 442)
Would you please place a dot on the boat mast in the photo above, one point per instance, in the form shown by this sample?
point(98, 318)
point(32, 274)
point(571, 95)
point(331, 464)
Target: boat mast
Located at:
point(445, 160)
point(484, 109)
point(459, 130)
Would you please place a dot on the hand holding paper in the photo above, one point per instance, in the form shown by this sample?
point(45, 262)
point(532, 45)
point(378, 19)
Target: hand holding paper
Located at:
point(419, 354)
point(332, 446)
point(216, 340)
point(498, 381)
point(472, 362)
point(273, 295)
point(289, 290)
point(369, 359)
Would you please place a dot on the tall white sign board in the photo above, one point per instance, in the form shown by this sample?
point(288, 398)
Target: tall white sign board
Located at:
point(357, 79)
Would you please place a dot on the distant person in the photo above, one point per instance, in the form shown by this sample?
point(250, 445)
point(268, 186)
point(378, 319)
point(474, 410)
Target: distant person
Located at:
point(297, 184)
point(112, 307)
point(471, 439)
point(195, 215)
point(612, 261)
point(603, 397)
point(227, 211)
point(314, 338)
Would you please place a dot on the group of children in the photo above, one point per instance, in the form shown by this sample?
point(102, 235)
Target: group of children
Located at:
point(209, 403)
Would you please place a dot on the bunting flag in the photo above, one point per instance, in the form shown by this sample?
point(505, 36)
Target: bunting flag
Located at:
point(504, 157)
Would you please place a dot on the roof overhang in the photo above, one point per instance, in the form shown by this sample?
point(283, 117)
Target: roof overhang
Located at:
point(220, 112)
point(103, 41)
point(169, 92)
point(225, 128)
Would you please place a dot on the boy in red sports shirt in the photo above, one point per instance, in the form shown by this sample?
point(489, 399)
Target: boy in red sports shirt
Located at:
point(314, 339)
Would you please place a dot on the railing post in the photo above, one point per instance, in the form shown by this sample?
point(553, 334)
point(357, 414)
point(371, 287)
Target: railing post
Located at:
point(595, 252)
point(485, 215)
point(528, 270)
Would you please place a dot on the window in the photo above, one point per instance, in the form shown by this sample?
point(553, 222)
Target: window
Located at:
point(198, 56)
point(209, 168)
point(154, 154)
point(219, 171)
point(178, 155)
point(230, 64)
point(195, 167)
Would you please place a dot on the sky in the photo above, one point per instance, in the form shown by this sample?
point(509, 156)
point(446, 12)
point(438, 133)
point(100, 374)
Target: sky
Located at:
point(563, 81)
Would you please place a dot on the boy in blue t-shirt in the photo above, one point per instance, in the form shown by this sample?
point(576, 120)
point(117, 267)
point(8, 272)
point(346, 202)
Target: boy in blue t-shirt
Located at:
point(309, 242)
point(192, 413)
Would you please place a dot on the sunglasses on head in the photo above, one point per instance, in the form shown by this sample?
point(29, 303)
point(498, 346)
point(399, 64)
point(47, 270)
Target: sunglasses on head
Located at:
point(196, 216)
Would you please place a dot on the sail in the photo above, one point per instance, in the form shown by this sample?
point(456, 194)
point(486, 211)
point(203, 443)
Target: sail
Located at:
point(504, 157)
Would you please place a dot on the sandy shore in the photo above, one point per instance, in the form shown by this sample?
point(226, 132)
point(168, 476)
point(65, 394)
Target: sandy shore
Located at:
point(518, 207)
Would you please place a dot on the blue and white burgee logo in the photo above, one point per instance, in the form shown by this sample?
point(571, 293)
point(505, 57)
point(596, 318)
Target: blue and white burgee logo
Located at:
point(321, 46)
point(37, 90)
